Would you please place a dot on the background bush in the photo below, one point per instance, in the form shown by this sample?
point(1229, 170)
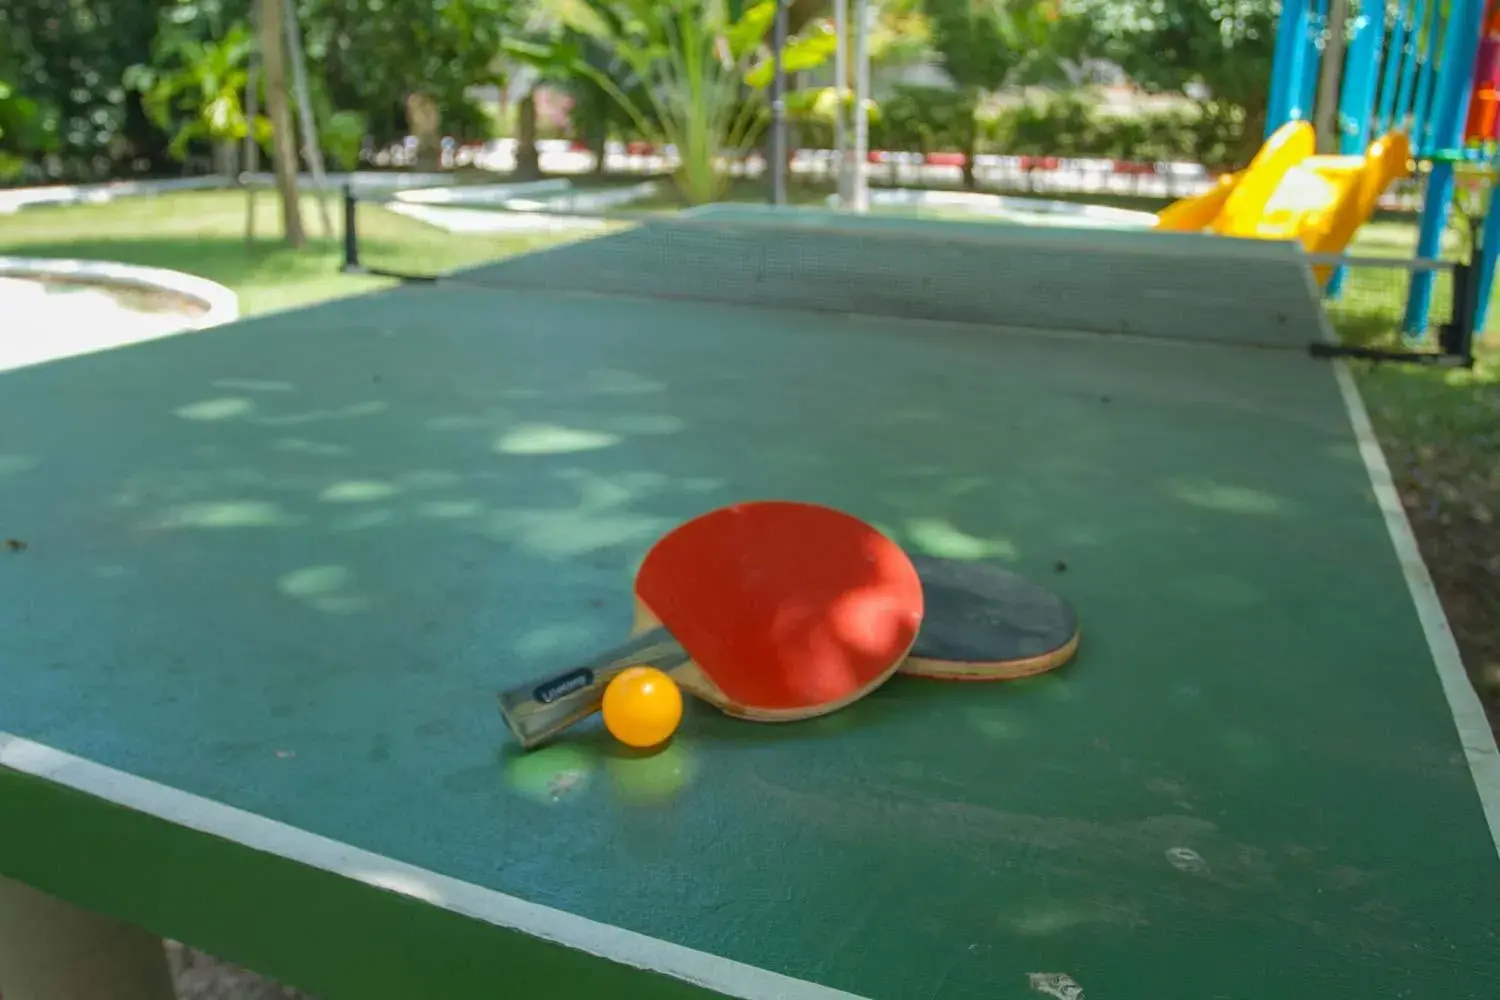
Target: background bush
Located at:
point(931, 120)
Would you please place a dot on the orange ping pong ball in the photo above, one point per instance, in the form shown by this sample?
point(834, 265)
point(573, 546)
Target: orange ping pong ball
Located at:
point(642, 707)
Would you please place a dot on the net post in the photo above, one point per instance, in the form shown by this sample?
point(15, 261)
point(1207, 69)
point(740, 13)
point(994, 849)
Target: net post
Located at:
point(778, 107)
point(351, 263)
point(1485, 251)
point(1286, 67)
point(1456, 337)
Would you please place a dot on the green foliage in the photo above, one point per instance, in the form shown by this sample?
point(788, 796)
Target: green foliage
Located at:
point(372, 56)
point(935, 119)
point(124, 86)
point(1223, 46)
point(685, 73)
point(1165, 45)
point(1069, 125)
point(1063, 125)
point(555, 48)
point(810, 51)
point(193, 88)
point(901, 34)
point(342, 134)
point(927, 119)
point(810, 112)
point(20, 130)
point(67, 58)
point(27, 128)
point(989, 44)
point(91, 89)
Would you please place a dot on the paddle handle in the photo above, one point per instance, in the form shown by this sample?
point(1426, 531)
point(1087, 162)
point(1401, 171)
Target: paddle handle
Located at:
point(538, 711)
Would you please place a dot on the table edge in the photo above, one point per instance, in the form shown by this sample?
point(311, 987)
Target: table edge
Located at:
point(1469, 717)
point(76, 785)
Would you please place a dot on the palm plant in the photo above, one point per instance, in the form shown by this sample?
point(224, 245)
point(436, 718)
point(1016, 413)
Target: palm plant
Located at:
point(193, 87)
point(690, 75)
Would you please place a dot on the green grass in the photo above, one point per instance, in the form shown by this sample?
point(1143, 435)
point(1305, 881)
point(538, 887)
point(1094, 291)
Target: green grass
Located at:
point(203, 233)
point(1440, 431)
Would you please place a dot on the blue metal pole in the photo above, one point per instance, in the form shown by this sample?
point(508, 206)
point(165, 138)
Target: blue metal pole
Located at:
point(1409, 61)
point(1489, 245)
point(1308, 99)
point(1391, 78)
point(1285, 64)
point(1357, 98)
point(1301, 66)
point(1454, 76)
point(1489, 251)
point(1421, 126)
point(1440, 183)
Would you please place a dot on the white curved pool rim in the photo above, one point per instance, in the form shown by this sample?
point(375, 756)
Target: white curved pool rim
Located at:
point(220, 305)
point(52, 309)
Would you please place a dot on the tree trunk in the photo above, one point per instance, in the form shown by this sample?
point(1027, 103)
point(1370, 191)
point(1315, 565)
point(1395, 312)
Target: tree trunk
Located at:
point(971, 137)
point(971, 149)
point(528, 160)
point(226, 159)
point(1326, 114)
point(601, 149)
point(312, 147)
point(425, 121)
point(284, 137)
point(793, 143)
point(1252, 127)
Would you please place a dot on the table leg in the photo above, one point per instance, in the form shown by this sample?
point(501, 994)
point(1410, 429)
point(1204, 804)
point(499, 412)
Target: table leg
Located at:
point(52, 950)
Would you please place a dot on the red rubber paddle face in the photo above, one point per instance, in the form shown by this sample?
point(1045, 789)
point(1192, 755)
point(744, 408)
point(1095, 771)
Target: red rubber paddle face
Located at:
point(785, 606)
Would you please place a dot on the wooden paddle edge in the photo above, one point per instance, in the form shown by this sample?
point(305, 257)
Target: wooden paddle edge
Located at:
point(1000, 670)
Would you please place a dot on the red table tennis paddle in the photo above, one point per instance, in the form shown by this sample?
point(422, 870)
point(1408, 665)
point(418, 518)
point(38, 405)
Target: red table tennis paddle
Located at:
point(771, 611)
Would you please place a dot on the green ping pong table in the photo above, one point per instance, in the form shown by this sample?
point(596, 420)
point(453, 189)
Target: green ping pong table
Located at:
point(274, 574)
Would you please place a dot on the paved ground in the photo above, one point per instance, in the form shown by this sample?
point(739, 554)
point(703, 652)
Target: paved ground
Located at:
point(203, 977)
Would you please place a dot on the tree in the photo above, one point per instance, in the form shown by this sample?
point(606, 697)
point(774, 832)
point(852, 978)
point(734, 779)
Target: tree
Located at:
point(902, 33)
point(1223, 46)
point(985, 45)
point(23, 121)
point(66, 59)
point(409, 59)
point(278, 108)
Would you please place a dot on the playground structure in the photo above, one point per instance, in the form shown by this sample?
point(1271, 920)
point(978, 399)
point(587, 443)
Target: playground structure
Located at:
point(1418, 96)
point(1288, 193)
point(1482, 127)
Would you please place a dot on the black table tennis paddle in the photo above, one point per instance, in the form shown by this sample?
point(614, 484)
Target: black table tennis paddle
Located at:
point(984, 623)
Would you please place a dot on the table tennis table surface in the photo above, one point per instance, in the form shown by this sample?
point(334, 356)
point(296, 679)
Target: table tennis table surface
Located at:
point(274, 574)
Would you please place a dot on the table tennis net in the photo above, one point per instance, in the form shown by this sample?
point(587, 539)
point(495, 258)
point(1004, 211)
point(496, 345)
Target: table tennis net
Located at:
point(1143, 284)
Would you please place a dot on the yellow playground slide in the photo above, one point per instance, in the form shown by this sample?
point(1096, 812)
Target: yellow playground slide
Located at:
point(1289, 193)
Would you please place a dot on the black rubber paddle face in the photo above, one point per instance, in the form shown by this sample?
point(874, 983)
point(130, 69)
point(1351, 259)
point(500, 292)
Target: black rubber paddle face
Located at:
point(983, 622)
